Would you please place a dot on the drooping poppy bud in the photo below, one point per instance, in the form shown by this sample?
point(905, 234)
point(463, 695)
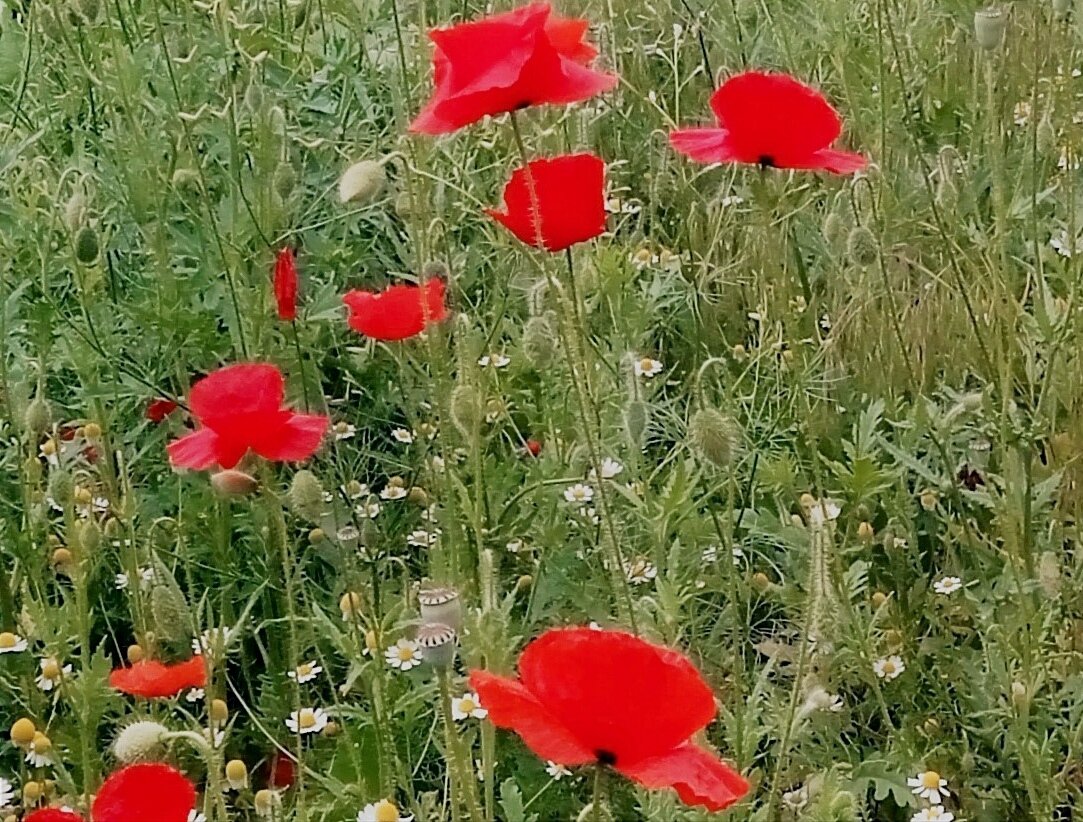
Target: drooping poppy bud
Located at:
point(285, 285)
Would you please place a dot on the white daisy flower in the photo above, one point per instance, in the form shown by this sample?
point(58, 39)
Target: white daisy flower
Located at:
point(11, 643)
point(615, 205)
point(934, 814)
point(382, 811)
point(370, 509)
point(146, 578)
point(646, 367)
point(51, 675)
point(213, 641)
point(889, 667)
point(196, 816)
point(437, 463)
point(494, 361)
point(403, 655)
point(39, 752)
point(639, 571)
point(343, 430)
point(556, 770)
point(121, 581)
point(355, 490)
point(7, 793)
point(929, 785)
point(467, 706)
point(431, 514)
point(732, 200)
point(641, 259)
point(305, 672)
point(590, 515)
point(947, 585)
point(195, 695)
point(1064, 245)
point(796, 799)
point(610, 469)
point(392, 492)
point(579, 494)
point(422, 538)
point(402, 435)
point(515, 546)
point(821, 512)
point(308, 720)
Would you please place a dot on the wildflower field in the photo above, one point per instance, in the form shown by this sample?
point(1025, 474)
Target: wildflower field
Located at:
point(601, 411)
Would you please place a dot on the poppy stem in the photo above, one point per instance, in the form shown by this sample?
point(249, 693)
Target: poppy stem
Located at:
point(300, 364)
point(463, 788)
point(599, 793)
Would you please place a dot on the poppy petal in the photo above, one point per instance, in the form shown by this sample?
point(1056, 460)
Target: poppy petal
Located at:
point(53, 815)
point(837, 162)
point(197, 450)
point(704, 145)
point(151, 679)
point(699, 777)
point(144, 792)
point(594, 682)
point(297, 439)
point(247, 388)
point(567, 36)
point(397, 313)
point(285, 284)
point(510, 705)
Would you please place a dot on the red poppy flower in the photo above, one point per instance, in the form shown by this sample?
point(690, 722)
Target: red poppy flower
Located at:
point(53, 815)
point(769, 120)
point(526, 57)
point(286, 284)
point(281, 771)
point(140, 793)
point(240, 409)
point(398, 312)
point(159, 409)
point(532, 447)
point(570, 194)
point(609, 697)
point(152, 679)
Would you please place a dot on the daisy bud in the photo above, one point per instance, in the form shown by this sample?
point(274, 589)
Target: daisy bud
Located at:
point(219, 711)
point(418, 496)
point(237, 774)
point(1049, 574)
point(86, 245)
point(441, 605)
point(61, 487)
point(523, 583)
point(539, 342)
point(37, 418)
point(141, 741)
point(637, 416)
point(989, 27)
point(362, 182)
point(232, 484)
point(437, 643)
point(350, 605)
point(22, 731)
point(714, 436)
point(305, 496)
point(865, 531)
point(135, 654)
point(1047, 134)
point(92, 431)
point(861, 246)
point(466, 409)
point(61, 560)
point(761, 582)
point(331, 730)
point(893, 638)
point(316, 536)
point(929, 500)
point(82, 495)
point(740, 353)
point(931, 726)
point(285, 180)
point(877, 600)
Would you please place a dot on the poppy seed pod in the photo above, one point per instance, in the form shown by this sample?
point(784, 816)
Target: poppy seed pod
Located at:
point(989, 26)
point(362, 182)
point(714, 435)
point(86, 245)
point(140, 741)
point(305, 496)
point(466, 409)
point(233, 484)
point(437, 643)
point(861, 246)
point(440, 604)
point(539, 341)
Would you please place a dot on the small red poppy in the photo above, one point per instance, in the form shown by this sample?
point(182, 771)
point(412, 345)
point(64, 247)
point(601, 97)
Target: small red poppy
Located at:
point(281, 771)
point(285, 283)
point(145, 792)
point(53, 815)
point(151, 679)
point(769, 120)
point(570, 199)
point(525, 57)
point(586, 695)
point(159, 409)
point(398, 312)
point(240, 409)
point(532, 447)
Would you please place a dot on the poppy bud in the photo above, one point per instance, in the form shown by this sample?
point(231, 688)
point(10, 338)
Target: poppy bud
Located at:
point(404, 205)
point(435, 270)
point(90, 537)
point(75, 212)
point(233, 484)
point(637, 417)
point(22, 731)
point(466, 410)
point(305, 496)
point(437, 643)
point(1047, 134)
point(861, 246)
point(285, 180)
point(989, 27)
point(714, 436)
point(536, 297)
point(61, 487)
point(237, 774)
point(362, 182)
point(539, 341)
point(219, 711)
point(135, 654)
point(170, 611)
point(38, 417)
point(86, 245)
point(1049, 574)
point(440, 604)
point(350, 605)
point(32, 470)
point(834, 229)
point(140, 741)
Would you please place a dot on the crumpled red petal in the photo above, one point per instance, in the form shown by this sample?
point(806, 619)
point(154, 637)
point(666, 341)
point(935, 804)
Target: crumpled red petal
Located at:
point(154, 680)
point(510, 705)
point(397, 313)
point(297, 439)
point(150, 792)
point(699, 777)
point(53, 815)
point(198, 450)
point(246, 388)
point(704, 145)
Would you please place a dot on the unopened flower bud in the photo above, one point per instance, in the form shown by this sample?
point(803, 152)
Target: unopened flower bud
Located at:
point(61, 487)
point(90, 537)
point(1020, 695)
point(1049, 574)
point(285, 180)
point(929, 500)
point(92, 431)
point(219, 711)
point(266, 803)
point(75, 212)
point(37, 418)
point(331, 730)
point(305, 496)
point(637, 417)
point(1046, 134)
point(362, 182)
point(989, 26)
point(539, 341)
point(878, 599)
point(22, 731)
point(86, 245)
point(834, 229)
point(865, 531)
point(232, 484)
point(761, 582)
point(466, 409)
point(135, 654)
point(61, 559)
point(861, 246)
point(715, 436)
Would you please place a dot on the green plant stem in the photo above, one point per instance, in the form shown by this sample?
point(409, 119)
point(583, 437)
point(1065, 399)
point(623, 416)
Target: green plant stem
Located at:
point(460, 772)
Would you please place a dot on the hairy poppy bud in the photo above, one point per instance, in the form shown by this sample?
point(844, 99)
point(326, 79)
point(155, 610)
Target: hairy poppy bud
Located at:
point(61, 487)
point(86, 245)
point(437, 643)
point(38, 417)
point(90, 536)
point(285, 180)
point(141, 741)
point(834, 229)
point(75, 212)
point(170, 610)
point(1047, 134)
point(714, 435)
point(306, 495)
point(435, 270)
point(861, 246)
point(637, 416)
point(362, 182)
point(233, 484)
point(440, 604)
point(539, 341)
point(989, 26)
point(466, 409)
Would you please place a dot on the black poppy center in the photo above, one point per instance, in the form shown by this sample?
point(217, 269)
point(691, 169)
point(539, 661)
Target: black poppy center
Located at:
point(605, 757)
point(767, 161)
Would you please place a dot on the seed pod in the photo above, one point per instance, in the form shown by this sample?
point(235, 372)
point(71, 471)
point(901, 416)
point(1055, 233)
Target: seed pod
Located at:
point(861, 246)
point(86, 245)
point(305, 496)
point(441, 604)
point(362, 182)
point(989, 26)
point(437, 643)
point(714, 436)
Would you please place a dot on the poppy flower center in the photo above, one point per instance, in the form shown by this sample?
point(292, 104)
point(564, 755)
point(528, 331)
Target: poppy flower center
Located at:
point(386, 812)
point(766, 160)
point(7, 640)
point(930, 779)
point(306, 719)
point(605, 757)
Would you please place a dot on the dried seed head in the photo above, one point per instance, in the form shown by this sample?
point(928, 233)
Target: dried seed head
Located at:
point(362, 182)
point(440, 604)
point(437, 643)
point(141, 741)
point(989, 26)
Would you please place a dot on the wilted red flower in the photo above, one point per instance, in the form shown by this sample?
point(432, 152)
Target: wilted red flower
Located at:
point(608, 697)
point(570, 194)
point(286, 284)
point(398, 312)
point(144, 792)
point(152, 679)
point(160, 408)
point(240, 408)
point(53, 815)
point(769, 120)
point(525, 57)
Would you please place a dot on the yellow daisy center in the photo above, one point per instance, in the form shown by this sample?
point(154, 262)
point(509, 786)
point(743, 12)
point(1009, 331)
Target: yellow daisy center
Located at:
point(51, 669)
point(646, 364)
point(48, 448)
point(386, 812)
point(930, 779)
point(466, 705)
point(405, 654)
point(889, 667)
point(41, 743)
point(8, 640)
point(306, 719)
point(304, 669)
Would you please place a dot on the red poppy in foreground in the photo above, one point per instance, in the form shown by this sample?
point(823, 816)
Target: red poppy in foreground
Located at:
point(141, 793)
point(570, 194)
point(769, 120)
point(159, 409)
point(587, 696)
point(240, 409)
point(397, 313)
point(152, 679)
point(526, 57)
point(285, 284)
point(53, 815)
